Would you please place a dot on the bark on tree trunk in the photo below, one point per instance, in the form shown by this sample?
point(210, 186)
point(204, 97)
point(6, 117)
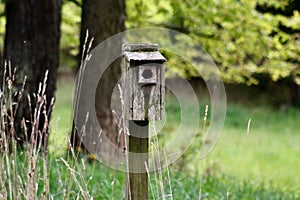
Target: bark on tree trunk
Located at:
point(32, 46)
point(103, 19)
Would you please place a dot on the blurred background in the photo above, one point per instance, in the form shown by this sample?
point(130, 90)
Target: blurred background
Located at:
point(256, 46)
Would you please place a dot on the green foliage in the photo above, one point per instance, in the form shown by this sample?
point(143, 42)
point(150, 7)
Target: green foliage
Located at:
point(239, 38)
point(70, 33)
point(244, 38)
point(2, 27)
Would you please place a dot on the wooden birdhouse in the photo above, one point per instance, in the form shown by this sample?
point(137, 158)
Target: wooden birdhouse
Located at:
point(143, 82)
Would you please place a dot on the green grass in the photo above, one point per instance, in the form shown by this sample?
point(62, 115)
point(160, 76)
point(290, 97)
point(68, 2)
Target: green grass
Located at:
point(62, 116)
point(105, 183)
point(263, 164)
point(269, 153)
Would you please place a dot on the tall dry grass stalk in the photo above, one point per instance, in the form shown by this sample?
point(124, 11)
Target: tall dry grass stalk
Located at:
point(158, 173)
point(83, 62)
point(24, 170)
point(20, 175)
point(204, 139)
point(124, 132)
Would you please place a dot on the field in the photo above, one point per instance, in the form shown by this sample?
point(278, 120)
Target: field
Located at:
point(259, 162)
point(269, 153)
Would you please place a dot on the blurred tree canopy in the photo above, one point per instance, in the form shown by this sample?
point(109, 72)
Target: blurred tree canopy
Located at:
point(246, 38)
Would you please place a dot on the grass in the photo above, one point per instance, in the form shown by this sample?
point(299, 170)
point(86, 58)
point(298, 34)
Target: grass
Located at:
point(105, 183)
point(269, 153)
point(62, 116)
point(261, 164)
point(264, 159)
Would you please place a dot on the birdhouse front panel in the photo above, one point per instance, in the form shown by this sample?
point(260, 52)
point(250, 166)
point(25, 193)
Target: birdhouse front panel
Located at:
point(143, 85)
point(148, 74)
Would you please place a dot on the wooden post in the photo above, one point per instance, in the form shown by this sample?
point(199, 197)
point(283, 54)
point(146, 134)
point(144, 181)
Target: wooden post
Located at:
point(143, 89)
point(138, 182)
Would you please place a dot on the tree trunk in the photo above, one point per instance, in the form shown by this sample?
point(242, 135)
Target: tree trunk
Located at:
point(32, 47)
point(103, 19)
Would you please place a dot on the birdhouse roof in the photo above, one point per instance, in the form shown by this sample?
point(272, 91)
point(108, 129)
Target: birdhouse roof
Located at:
point(144, 56)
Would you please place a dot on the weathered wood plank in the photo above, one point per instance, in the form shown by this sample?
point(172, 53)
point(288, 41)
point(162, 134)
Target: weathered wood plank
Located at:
point(138, 182)
point(144, 83)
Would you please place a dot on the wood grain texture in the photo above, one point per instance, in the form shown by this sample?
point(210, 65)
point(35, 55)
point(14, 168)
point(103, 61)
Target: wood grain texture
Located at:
point(144, 96)
point(138, 182)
